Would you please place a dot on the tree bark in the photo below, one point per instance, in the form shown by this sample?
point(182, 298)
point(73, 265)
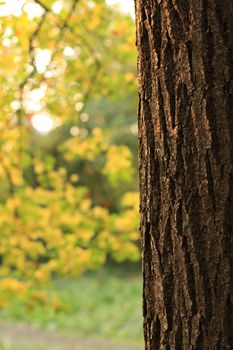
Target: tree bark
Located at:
point(185, 68)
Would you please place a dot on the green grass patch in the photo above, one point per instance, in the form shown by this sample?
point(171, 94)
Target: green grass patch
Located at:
point(105, 303)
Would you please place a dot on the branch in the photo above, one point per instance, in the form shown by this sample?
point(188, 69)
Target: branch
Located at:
point(62, 27)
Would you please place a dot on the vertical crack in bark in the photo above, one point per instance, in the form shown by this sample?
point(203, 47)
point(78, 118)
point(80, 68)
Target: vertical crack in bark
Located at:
point(210, 180)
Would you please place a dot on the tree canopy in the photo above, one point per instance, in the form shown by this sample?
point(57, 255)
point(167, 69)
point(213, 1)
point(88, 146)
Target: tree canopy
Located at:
point(68, 196)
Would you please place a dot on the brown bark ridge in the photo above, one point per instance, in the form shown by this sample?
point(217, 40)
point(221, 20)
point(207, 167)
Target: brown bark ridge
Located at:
point(185, 116)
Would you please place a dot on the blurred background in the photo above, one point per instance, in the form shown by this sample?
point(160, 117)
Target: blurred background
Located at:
point(69, 241)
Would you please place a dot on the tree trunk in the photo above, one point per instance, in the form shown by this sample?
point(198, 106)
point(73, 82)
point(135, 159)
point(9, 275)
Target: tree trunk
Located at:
point(185, 66)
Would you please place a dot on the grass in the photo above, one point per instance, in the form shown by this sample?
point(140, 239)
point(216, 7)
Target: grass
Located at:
point(7, 344)
point(106, 304)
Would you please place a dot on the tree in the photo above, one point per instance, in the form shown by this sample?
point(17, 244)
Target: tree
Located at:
point(185, 64)
point(68, 185)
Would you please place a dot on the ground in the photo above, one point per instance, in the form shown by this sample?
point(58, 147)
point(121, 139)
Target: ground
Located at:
point(24, 337)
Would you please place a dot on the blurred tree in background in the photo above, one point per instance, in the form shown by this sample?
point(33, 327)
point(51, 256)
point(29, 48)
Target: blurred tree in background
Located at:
point(68, 196)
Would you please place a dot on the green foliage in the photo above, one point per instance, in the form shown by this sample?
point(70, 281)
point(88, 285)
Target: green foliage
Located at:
point(68, 198)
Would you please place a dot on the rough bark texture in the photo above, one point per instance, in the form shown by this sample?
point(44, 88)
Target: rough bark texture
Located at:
point(185, 65)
